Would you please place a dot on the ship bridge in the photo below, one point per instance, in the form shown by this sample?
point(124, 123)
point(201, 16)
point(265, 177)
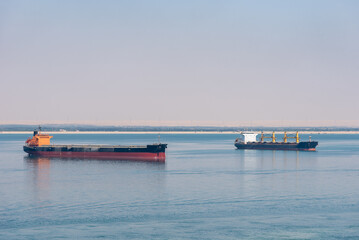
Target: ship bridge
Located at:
point(249, 137)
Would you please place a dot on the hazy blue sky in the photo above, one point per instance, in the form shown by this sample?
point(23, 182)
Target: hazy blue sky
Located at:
point(180, 62)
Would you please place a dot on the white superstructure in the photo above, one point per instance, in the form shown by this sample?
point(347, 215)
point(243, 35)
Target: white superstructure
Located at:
point(249, 137)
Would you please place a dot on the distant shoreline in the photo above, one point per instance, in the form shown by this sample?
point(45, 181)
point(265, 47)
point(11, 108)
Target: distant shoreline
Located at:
point(176, 132)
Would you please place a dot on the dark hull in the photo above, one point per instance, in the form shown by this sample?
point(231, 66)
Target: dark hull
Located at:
point(302, 146)
point(151, 153)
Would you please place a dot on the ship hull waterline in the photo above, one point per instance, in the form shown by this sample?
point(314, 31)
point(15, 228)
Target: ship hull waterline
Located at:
point(302, 146)
point(126, 156)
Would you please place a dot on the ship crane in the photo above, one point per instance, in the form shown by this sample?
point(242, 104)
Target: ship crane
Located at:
point(285, 138)
point(272, 137)
point(250, 143)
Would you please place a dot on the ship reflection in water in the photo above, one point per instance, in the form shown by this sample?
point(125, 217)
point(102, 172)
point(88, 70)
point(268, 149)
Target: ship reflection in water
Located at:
point(39, 176)
point(67, 176)
point(275, 159)
point(264, 173)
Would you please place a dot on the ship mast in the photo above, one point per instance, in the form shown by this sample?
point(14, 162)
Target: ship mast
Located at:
point(272, 137)
point(285, 138)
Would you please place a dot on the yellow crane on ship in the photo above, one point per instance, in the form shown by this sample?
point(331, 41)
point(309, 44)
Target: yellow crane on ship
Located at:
point(285, 138)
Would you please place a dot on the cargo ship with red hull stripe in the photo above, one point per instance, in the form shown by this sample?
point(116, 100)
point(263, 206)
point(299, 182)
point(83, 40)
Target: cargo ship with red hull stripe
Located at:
point(39, 145)
point(249, 141)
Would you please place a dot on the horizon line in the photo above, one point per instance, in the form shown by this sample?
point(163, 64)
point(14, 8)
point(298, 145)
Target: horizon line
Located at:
point(158, 124)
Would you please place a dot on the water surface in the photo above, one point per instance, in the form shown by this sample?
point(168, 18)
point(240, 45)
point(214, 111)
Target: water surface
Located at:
point(205, 190)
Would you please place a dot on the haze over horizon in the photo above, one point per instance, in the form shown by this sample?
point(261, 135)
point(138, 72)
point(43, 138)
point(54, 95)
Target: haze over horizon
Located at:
point(310, 124)
point(222, 63)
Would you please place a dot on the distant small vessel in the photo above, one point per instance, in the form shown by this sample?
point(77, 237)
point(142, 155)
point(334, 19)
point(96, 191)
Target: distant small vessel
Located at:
point(249, 141)
point(39, 145)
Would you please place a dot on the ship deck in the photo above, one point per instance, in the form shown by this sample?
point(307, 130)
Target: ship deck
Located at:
point(288, 143)
point(95, 146)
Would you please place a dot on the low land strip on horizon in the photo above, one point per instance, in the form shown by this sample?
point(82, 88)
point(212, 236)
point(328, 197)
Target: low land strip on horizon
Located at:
point(177, 132)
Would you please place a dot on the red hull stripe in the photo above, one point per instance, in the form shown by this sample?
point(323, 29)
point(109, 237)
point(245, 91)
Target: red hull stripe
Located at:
point(138, 156)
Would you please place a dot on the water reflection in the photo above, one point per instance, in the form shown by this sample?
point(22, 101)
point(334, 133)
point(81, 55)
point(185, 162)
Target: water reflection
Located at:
point(35, 161)
point(276, 159)
point(264, 173)
point(51, 175)
point(39, 176)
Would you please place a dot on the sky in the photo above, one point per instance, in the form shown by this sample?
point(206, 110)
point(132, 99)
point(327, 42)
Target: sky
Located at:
point(222, 63)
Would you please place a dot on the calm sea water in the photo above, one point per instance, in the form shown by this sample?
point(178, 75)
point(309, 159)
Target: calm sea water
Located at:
point(205, 190)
